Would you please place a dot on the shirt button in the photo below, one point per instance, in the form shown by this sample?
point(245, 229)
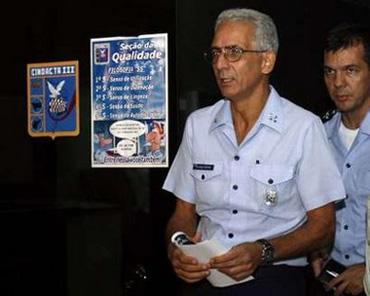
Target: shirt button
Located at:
point(235, 187)
point(270, 181)
point(348, 165)
point(346, 256)
point(236, 157)
point(345, 227)
point(235, 211)
point(230, 235)
point(203, 177)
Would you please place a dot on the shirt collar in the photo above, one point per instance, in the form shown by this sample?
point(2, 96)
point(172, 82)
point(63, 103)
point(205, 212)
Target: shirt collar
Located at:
point(335, 122)
point(222, 117)
point(271, 115)
point(365, 125)
point(333, 125)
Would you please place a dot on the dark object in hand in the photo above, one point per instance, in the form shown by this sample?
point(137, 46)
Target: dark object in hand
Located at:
point(331, 270)
point(180, 238)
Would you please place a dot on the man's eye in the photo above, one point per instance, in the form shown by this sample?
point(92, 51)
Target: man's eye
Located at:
point(234, 51)
point(352, 70)
point(215, 53)
point(328, 71)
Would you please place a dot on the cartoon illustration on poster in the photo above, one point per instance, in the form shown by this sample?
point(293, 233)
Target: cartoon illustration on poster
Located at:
point(129, 101)
point(53, 99)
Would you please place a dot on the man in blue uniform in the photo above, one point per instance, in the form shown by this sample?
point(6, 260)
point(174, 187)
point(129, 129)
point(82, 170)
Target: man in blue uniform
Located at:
point(254, 171)
point(367, 272)
point(347, 78)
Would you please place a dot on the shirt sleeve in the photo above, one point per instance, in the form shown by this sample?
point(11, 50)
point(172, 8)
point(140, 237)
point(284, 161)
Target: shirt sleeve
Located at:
point(179, 180)
point(318, 179)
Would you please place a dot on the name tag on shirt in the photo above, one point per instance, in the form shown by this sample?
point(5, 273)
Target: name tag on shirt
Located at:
point(203, 167)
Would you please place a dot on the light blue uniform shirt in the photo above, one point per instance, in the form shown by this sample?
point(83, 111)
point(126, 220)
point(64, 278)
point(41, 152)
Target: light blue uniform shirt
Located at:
point(286, 152)
point(367, 273)
point(354, 165)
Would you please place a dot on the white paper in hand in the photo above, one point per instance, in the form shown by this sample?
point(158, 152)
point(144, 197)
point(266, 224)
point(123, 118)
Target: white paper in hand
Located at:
point(206, 250)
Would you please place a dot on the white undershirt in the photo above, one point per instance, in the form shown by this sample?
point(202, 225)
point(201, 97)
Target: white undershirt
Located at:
point(347, 135)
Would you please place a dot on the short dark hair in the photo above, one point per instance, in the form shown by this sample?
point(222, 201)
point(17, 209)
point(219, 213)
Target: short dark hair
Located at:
point(348, 35)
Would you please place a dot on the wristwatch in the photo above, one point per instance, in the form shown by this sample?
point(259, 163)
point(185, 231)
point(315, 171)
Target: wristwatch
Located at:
point(267, 255)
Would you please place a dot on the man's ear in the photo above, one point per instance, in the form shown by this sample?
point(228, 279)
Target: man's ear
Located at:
point(268, 62)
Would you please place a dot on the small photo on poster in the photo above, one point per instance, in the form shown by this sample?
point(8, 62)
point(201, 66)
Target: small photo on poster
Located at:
point(129, 140)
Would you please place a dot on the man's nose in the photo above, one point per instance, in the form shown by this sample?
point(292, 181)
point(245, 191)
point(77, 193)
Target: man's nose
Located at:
point(339, 79)
point(221, 61)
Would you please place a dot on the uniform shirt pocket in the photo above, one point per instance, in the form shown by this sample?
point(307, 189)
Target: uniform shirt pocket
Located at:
point(205, 172)
point(208, 181)
point(273, 185)
point(368, 221)
point(363, 181)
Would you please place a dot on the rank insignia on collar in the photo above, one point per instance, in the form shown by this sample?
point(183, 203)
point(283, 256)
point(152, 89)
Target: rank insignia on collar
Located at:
point(328, 115)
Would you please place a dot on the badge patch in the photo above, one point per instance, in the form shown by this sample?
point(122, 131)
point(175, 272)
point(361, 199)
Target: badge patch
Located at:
point(271, 196)
point(203, 167)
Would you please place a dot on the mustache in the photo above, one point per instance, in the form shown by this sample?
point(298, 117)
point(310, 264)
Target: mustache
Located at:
point(224, 75)
point(341, 94)
point(341, 91)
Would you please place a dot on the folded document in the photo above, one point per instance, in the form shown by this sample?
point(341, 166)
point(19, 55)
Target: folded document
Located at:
point(204, 251)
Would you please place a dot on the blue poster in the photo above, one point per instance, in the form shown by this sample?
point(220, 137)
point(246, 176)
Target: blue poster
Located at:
point(53, 99)
point(129, 101)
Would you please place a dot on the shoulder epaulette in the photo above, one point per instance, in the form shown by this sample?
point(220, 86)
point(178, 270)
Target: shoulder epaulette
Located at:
point(328, 115)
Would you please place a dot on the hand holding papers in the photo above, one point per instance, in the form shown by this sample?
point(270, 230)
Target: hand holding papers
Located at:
point(204, 251)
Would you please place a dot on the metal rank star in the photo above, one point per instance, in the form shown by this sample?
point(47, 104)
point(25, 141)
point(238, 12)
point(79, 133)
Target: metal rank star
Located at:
point(271, 196)
point(272, 117)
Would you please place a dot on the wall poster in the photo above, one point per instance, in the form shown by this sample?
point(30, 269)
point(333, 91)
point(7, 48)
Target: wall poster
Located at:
point(129, 101)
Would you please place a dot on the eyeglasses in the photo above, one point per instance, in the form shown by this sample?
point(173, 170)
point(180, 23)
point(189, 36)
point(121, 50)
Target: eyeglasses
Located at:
point(231, 53)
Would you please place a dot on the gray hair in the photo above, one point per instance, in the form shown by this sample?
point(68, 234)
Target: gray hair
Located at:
point(266, 36)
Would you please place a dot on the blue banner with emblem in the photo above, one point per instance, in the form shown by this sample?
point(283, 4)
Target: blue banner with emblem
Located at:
point(129, 101)
point(53, 99)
